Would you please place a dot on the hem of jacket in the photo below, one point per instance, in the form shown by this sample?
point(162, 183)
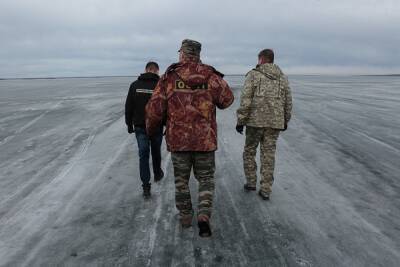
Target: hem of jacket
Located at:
point(188, 150)
point(268, 126)
point(140, 125)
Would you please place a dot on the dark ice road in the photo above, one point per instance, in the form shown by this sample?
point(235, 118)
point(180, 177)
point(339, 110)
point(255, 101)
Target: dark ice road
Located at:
point(70, 193)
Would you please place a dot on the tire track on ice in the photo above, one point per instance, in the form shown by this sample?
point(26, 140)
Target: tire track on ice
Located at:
point(33, 181)
point(76, 197)
point(31, 224)
point(32, 122)
point(157, 215)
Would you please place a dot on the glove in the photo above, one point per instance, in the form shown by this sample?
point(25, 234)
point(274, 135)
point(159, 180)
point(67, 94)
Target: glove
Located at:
point(130, 129)
point(239, 128)
point(285, 127)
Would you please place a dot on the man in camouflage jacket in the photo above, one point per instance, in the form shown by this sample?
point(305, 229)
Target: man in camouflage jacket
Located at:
point(186, 98)
point(265, 110)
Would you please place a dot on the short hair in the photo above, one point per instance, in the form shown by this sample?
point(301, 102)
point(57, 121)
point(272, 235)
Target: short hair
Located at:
point(152, 64)
point(268, 54)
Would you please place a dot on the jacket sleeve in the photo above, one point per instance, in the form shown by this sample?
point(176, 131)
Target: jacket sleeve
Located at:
point(130, 105)
point(246, 98)
point(156, 108)
point(222, 94)
point(288, 100)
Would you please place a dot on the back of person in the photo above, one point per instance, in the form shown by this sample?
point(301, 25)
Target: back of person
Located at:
point(265, 110)
point(139, 94)
point(143, 89)
point(271, 89)
point(193, 91)
point(186, 97)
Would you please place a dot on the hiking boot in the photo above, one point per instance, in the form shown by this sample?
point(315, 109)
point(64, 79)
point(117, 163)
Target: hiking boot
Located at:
point(186, 220)
point(158, 176)
point(146, 190)
point(248, 187)
point(203, 222)
point(263, 195)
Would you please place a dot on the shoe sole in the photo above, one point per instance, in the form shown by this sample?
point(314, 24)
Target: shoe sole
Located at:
point(249, 188)
point(263, 197)
point(204, 229)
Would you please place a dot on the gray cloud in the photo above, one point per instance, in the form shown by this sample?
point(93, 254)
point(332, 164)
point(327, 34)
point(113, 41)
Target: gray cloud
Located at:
point(80, 38)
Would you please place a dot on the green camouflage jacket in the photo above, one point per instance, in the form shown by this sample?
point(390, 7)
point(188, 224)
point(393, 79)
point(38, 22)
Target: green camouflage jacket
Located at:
point(265, 100)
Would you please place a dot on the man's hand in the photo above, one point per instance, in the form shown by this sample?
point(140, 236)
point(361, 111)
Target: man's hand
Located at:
point(285, 127)
point(130, 129)
point(239, 128)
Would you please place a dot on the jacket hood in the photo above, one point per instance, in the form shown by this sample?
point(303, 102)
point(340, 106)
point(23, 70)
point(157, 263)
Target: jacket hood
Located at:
point(272, 71)
point(193, 73)
point(149, 76)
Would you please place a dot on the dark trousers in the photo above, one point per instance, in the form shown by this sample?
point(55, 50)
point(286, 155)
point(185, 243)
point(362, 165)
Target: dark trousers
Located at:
point(145, 144)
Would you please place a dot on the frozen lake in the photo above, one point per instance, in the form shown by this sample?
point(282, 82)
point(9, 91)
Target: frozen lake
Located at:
point(70, 192)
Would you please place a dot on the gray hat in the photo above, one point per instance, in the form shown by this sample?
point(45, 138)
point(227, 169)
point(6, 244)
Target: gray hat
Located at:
point(191, 47)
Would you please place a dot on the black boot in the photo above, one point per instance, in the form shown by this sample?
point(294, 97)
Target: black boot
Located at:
point(146, 190)
point(158, 176)
point(263, 195)
point(204, 226)
point(248, 187)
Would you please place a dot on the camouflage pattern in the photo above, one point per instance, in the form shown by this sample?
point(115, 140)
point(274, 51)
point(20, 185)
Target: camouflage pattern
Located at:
point(266, 99)
point(187, 96)
point(267, 138)
point(203, 164)
point(191, 47)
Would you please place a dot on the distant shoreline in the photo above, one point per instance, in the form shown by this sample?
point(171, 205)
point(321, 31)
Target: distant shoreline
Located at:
point(87, 77)
point(229, 75)
point(69, 77)
point(396, 75)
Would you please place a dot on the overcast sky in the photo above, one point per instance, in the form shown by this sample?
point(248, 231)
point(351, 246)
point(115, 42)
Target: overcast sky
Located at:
point(98, 37)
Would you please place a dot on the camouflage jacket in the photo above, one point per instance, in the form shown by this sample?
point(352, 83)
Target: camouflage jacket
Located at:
point(186, 97)
point(266, 100)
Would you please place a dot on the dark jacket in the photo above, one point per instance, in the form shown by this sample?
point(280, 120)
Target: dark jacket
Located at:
point(139, 94)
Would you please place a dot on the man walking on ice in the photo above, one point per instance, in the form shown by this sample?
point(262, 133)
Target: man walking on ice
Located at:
point(187, 96)
point(265, 110)
point(139, 94)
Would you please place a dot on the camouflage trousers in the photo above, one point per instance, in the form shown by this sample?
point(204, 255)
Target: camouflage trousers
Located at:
point(267, 138)
point(203, 164)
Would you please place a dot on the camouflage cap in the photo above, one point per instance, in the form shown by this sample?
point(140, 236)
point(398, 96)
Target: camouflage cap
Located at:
point(191, 47)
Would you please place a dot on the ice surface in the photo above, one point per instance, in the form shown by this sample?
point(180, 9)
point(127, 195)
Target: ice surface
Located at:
point(70, 192)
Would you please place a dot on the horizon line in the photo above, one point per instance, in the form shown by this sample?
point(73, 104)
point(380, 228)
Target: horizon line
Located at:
point(116, 76)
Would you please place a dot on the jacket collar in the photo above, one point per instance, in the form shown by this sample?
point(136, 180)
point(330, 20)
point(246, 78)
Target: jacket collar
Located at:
point(190, 59)
point(149, 76)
